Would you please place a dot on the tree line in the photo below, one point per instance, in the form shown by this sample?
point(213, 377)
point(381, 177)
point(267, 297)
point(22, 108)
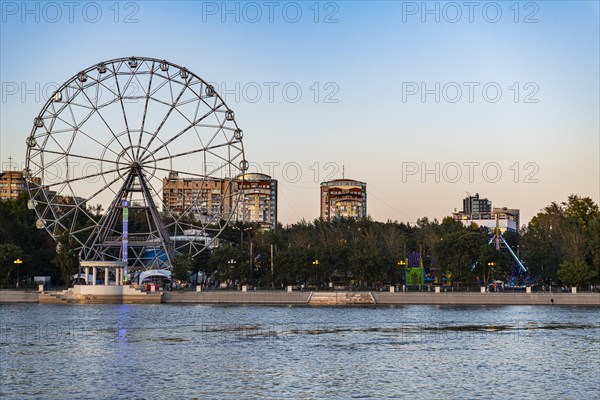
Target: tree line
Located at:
point(560, 245)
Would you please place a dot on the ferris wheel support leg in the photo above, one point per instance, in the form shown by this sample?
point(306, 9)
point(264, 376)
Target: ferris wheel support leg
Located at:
point(512, 253)
point(162, 233)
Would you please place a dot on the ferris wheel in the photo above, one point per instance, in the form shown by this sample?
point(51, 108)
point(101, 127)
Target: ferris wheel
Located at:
point(137, 159)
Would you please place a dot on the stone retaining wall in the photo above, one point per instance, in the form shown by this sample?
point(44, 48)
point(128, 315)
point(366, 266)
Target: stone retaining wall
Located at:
point(234, 297)
point(454, 298)
point(18, 296)
point(381, 298)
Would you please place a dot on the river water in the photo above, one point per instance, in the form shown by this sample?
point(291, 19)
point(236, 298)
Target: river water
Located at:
point(232, 352)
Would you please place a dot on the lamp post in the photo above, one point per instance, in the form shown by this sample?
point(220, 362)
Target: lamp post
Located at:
point(231, 264)
point(241, 229)
point(18, 262)
point(490, 265)
point(316, 264)
point(402, 264)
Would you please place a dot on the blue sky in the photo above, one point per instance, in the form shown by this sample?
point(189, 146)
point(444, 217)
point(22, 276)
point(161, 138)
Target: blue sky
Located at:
point(355, 72)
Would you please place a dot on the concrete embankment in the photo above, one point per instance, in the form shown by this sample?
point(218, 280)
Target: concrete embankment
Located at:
point(382, 298)
point(345, 298)
point(454, 298)
point(232, 297)
point(18, 296)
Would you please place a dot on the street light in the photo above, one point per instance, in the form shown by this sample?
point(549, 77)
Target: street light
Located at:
point(241, 229)
point(316, 264)
point(231, 263)
point(490, 265)
point(18, 262)
point(402, 264)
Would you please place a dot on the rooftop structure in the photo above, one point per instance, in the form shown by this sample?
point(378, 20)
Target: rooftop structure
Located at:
point(480, 212)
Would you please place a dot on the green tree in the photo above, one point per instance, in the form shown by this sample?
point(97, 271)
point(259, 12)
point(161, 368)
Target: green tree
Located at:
point(492, 263)
point(9, 252)
point(225, 263)
point(583, 209)
point(594, 244)
point(561, 233)
point(574, 273)
point(17, 226)
point(66, 258)
point(458, 252)
point(182, 267)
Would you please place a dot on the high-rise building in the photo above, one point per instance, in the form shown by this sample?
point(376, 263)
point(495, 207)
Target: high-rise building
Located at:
point(208, 199)
point(474, 206)
point(258, 200)
point(480, 212)
point(12, 184)
point(205, 199)
point(343, 198)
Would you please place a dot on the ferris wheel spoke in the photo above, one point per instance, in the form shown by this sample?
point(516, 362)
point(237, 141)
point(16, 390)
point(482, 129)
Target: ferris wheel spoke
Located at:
point(164, 207)
point(63, 218)
point(187, 153)
point(166, 117)
point(115, 136)
point(104, 146)
point(56, 142)
point(50, 209)
point(44, 166)
point(123, 108)
point(164, 144)
point(59, 118)
point(226, 161)
point(182, 172)
point(219, 129)
point(91, 175)
point(70, 155)
point(145, 110)
point(84, 229)
point(212, 138)
point(75, 125)
point(103, 188)
point(102, 85)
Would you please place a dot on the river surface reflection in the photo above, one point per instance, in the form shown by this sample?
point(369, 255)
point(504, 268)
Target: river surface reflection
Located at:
point(226, 352)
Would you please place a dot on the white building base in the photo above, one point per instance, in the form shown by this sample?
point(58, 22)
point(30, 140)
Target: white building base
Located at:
point(100, 294)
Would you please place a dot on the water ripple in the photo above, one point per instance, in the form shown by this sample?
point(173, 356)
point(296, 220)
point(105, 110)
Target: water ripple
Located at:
point(140, 352)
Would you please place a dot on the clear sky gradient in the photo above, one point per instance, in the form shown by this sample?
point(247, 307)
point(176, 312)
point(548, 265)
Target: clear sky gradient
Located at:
point(361, 68)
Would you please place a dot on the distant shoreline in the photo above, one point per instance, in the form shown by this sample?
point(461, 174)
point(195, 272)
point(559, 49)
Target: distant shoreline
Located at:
point(345, 298)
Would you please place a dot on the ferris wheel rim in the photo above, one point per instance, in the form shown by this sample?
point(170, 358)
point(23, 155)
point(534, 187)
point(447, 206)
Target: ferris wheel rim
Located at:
point(47, 132)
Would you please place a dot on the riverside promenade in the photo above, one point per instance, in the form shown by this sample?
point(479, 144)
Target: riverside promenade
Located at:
point(268, 297)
